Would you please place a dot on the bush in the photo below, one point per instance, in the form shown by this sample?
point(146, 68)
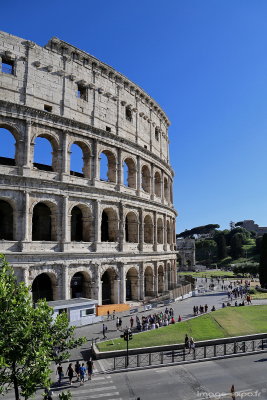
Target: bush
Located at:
point(252, 291)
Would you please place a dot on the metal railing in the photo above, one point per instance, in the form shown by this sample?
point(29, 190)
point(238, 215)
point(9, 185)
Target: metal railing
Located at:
point(185, 355)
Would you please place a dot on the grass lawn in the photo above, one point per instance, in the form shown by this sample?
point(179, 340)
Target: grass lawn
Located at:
point(259, 296)
point(230, 321)
point(208, 273)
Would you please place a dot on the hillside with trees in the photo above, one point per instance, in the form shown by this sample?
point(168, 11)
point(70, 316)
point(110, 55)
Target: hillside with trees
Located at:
point(222, 248)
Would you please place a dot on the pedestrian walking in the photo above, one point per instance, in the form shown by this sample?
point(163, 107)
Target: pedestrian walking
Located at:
point(131, 322)
point(77, 370)
point(90, 366)
point(180, 318)
point(117, 323)
point(59, 372)
point(186, 341)
point(113, 314)
point(104, 330)
point(70, 373)
point(120, 323)
point(108, 314)
point(82, 373)
point(48, 394)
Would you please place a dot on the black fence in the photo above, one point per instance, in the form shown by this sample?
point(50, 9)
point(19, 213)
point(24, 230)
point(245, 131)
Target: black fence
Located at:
point(186, 355)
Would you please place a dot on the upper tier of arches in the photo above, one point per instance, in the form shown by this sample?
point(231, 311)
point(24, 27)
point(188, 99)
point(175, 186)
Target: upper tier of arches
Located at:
point(69, 156)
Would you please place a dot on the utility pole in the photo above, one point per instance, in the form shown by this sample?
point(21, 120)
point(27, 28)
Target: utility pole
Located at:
point(127, 335)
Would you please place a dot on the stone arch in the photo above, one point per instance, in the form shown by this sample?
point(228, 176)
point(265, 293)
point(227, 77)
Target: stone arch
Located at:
point(148, 229)
point(110, 169)
point(160, 231)
point(157, 184)
point(161, 279)
point(6, 220)
point(109, 225)
point(44, 286)
point(168, 232)
point(53, 141)
point(132, 284)
point(8, 154)
point(129, 173)
point(44, 221)
point(108, 286)
point(80, 285)
point(84, 160)
point(166, 189)
point(145, 176)
point(148, 281)
point(81, 223)
point(131, 227)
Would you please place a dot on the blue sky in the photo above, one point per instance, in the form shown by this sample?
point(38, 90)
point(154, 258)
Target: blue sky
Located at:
point(205, 63)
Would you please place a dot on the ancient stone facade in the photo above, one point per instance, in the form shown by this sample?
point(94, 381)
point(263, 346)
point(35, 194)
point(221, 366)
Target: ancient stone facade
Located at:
point(73, 234)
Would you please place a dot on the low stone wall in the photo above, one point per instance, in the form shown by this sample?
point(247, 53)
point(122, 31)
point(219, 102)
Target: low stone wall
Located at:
point(144, 350)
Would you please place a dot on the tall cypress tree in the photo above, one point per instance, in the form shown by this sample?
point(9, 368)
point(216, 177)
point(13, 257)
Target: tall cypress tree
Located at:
point(236, 246)
point(263, 262)
point(221, 247)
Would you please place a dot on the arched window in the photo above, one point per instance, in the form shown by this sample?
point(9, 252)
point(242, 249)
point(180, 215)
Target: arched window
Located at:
point(131, 228)
point(132, 284)
point(80, 159)
point(160, 279)
point(42, 288)
point(145, 179)
point(107, 166)
point(157, 184)
point(128, 114)
point(109, 226)
point(108, 279)
point(43, 154)
point(6, 221)
point(76, 161)
point(148, 229)
point(129, 173)
point(148, 281)
point(160, 231)
point(41, 223)
point(7, 147)
point(166, 189)
point(80, 285)
point(76, 225)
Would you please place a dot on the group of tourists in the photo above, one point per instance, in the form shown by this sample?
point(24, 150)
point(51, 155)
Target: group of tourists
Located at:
point(79, 370)
point(200, 309)
point(154, 321)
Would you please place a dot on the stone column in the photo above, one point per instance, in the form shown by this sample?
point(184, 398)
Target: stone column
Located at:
point(95, 174)
point(141, 286)
point(27, 144)
point(119, 170)
point(65, 155)
point(155, 244)
point(97, 284)
point(156, 282)
point(65, 224)
point(66, 283)
point(141, 229)
point(122, 283)
point(152, 191)
point(97, 224)
point(117, 294)
point(165, 232)
point(26, 276)
point(26, 218)
point(121, 227)
point(139, 178)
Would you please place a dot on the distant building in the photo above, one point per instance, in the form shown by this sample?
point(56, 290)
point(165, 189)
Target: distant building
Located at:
point(250, 225)
point(186, 257)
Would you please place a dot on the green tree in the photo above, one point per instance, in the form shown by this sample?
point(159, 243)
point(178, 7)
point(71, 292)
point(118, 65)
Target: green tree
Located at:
point(221, 246)
point(263, 262)
point(236, 246)
point(28, 337)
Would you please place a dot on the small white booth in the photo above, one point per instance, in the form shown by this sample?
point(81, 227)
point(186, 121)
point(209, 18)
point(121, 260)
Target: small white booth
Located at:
point(80, 311)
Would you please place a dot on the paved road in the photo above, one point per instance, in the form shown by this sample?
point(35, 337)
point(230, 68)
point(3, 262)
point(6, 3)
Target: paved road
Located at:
point(197, 381)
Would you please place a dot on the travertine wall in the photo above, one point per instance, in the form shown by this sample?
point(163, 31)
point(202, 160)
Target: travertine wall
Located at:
point(67, 96)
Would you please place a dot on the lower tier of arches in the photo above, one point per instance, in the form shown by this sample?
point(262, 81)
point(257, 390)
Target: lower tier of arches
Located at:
point(108, 283)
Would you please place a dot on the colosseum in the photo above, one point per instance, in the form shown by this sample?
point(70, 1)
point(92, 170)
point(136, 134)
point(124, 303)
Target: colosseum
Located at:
point(71, 233)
